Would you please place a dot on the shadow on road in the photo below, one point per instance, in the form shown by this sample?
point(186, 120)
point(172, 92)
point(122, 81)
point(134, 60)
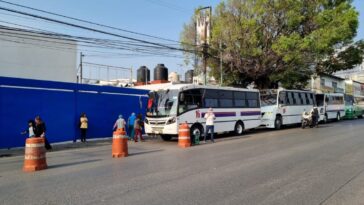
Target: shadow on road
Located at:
point(146, 152)
point(72, 163)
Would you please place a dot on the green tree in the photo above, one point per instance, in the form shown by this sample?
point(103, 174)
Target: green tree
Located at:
point(271, 41)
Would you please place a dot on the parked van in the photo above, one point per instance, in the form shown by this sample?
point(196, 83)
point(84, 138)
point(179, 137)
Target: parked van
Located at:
point(331, 106)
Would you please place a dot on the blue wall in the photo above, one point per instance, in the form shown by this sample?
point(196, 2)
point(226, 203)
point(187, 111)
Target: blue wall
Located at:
point(60, 105)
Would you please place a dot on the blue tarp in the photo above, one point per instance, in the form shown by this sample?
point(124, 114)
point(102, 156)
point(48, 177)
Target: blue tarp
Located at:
point(60, 105)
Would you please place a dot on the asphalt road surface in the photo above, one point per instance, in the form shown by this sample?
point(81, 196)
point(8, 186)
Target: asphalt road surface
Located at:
point(323, 165)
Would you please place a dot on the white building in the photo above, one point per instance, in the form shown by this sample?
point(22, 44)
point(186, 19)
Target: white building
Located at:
point(356, 74)
point(324, 83)
point(34, 56)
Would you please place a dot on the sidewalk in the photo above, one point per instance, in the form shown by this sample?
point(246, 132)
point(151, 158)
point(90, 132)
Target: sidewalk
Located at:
point(18, 151)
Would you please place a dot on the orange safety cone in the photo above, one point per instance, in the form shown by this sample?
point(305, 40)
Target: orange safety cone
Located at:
point(119, 144)
point(35, 155)
point(184, 139)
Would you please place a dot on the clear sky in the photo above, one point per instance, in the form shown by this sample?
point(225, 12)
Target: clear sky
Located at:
point(163, 18)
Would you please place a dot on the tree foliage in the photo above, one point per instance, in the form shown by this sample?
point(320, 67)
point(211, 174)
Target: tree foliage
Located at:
point(271, 41)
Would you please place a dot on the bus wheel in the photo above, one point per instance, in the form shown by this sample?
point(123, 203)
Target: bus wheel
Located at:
point(166, 137)
point(278, 123)
point(360, 116)
point(239, 128)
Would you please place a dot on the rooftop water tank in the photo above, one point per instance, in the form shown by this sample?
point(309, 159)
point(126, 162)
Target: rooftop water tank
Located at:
point(143, 74)
point(161, 72)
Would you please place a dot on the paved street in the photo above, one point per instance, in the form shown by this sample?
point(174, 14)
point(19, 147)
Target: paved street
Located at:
point(291, 166)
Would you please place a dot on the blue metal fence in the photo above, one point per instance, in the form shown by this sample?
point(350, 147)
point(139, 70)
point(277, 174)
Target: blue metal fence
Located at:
point(60, 105)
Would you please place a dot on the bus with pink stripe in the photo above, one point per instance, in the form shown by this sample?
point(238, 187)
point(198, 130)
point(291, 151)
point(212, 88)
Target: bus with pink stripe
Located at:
point(236, 109)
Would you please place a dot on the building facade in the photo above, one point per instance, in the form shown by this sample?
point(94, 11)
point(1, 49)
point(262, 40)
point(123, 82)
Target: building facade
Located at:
point(29, 55)
point(324, 83)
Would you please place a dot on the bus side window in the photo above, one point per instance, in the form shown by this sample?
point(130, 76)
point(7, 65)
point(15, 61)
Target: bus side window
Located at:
point(239, 99)
point(303, 98)
point(190, 99)
point(253, 99)
point(289, 98)
point(282, 98)
point(226, 99)
point(296, 99)
point(211, 98)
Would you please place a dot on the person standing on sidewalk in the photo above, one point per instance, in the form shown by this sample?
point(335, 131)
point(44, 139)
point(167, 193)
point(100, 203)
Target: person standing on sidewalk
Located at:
point(83, 126)
point(131, 122)
point(120, 123)
point(138, 128)
point(210, 117)
point(40, 131)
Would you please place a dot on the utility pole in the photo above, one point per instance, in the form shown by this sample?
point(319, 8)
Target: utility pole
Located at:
point(205, 45)
point(196, 58)
point(81, 69)
point(221, 73)
point(131, 75)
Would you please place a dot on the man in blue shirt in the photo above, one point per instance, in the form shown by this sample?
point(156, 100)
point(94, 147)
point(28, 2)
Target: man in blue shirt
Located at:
point(131, 121)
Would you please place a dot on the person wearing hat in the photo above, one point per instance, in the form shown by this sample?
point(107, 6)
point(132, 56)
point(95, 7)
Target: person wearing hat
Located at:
point(120, 123)
point(210, 117)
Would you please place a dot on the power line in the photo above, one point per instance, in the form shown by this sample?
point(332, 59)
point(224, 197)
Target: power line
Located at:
point(40, 38)
point(102, 43)
point(94, 30)
point(89, 22)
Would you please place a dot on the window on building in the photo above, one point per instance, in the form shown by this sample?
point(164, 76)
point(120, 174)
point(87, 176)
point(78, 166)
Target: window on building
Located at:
point(322, 82)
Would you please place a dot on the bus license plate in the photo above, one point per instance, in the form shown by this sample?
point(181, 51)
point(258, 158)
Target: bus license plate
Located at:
point(158, 130)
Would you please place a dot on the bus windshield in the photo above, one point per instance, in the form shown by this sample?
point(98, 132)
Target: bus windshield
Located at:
point(162, 103)
point(269, 99)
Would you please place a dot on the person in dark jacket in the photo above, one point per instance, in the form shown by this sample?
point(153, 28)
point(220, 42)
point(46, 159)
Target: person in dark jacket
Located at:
point(40, 130)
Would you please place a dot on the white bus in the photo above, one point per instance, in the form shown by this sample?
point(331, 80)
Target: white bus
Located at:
point(284, 107)
point(331, 106)
point(235, 109)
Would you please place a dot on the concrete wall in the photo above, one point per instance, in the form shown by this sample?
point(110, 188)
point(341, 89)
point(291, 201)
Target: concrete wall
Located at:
point(32, 56)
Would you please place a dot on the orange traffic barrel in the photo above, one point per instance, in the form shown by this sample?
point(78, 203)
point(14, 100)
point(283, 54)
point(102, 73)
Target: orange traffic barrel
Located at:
point(184, 139)
point(119, 144)
point(35, 155)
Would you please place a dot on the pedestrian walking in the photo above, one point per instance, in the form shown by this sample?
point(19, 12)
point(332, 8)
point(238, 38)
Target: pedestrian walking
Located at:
point(131, 122)
point(83, 126)
point(138, 128)
point(40, 131)
point(31, 129)
point(210, 117)
point(120, 123)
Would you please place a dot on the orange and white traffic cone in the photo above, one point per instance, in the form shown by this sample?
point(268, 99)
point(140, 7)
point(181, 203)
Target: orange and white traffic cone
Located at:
point(184, 139)
point(35, 155)
point(119, 144)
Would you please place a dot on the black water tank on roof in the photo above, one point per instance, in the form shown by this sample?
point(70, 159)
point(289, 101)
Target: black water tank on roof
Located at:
point(189, 76)
point(143, 74)
point(160, 72)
